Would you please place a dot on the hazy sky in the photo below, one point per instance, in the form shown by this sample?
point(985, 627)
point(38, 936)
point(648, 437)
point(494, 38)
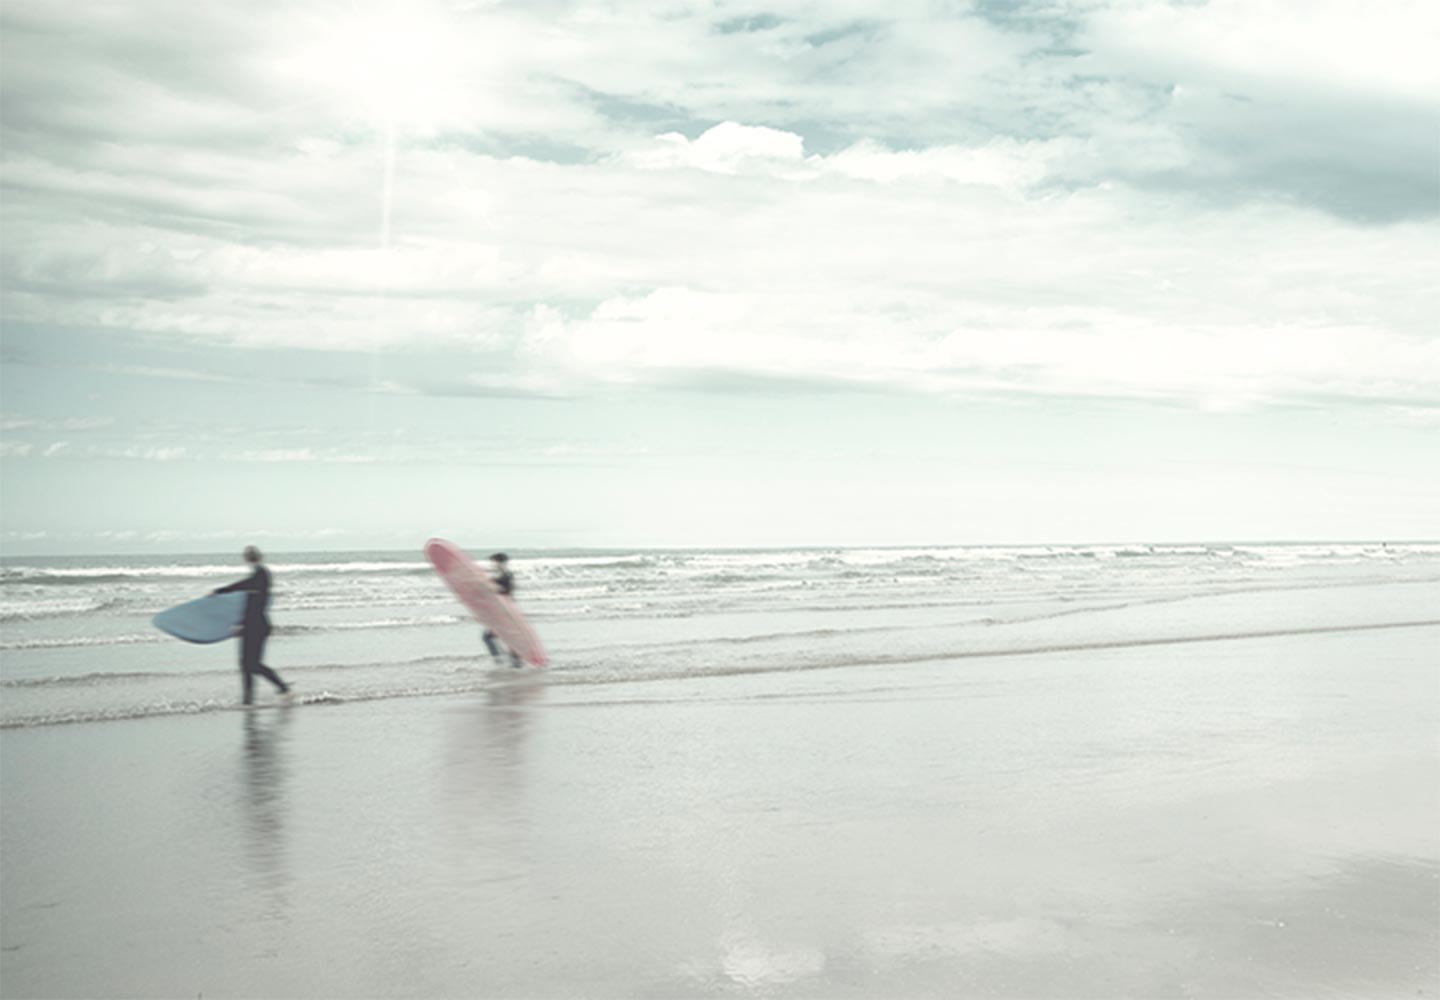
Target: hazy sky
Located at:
point(548, 273)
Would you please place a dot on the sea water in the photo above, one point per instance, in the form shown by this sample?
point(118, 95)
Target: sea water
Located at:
point(76, 642)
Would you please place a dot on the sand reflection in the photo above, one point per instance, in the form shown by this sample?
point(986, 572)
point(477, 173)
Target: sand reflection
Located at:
point(486, 769)
point(263, 799)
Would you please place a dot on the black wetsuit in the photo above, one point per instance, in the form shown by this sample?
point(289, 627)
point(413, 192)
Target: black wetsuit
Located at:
point(255, 630)
point(504, 584)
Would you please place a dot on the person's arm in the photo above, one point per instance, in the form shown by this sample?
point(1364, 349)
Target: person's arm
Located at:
point(251, 582)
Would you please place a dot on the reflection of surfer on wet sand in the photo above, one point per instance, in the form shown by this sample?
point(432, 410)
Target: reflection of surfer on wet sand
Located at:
point(263, 795)
point(485, 777)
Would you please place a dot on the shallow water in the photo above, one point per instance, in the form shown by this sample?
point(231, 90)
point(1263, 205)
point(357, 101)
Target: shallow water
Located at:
point(76, 642)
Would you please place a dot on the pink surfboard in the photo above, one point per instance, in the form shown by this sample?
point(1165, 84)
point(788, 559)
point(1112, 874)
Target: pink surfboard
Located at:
point(495, 611)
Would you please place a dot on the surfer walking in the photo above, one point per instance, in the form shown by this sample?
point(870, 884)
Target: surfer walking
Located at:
point(256, 627)
point(504, 583)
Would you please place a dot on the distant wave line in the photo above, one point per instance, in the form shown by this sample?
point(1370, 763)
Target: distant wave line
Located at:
point(784, 560)
point(88, 575)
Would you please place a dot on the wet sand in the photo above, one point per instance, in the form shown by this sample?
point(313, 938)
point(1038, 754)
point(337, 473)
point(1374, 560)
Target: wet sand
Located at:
point(1240, 818)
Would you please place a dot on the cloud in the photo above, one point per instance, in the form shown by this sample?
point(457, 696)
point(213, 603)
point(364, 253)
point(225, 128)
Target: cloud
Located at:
point(1337, 112)
point(287, 455)
point(171, 454)
point(1056, 351)
point(732, 148)
point(63, 449)
point(1243, 45)
point(726, 148)
point(1190, 202)
point(1001, 163)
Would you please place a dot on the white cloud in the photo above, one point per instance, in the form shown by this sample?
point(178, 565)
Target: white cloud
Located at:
point(172, 454)
point(1072, 351)
point(731, 148)
point(274, 455)
point(290, 455)
point(936, 202)
point(1386, 48)
point(728, 148)
point(1000, 163)
point(853, 271)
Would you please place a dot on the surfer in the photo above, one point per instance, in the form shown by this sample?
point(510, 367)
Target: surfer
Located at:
point(256, 627)
point(504, 583)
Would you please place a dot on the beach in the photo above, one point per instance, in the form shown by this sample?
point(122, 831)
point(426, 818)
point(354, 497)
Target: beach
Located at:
point(1246, 818)
point(1161, 813)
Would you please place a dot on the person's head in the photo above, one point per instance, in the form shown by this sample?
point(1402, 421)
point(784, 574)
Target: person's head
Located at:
point(252, 554)
point(500, 559)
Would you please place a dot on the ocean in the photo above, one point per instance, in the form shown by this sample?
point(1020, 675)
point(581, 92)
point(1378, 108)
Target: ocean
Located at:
point(76, 643)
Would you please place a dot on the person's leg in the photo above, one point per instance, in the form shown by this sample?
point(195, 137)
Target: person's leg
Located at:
point(248, 657)
point(489, 638)
point(256, 667)
point(272, 677)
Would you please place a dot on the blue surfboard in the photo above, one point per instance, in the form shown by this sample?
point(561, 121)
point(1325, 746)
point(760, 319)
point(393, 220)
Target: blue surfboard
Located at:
point(209, 619)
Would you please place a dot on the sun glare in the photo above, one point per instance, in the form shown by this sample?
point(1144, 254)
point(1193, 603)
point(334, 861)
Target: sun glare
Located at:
point(396, 68)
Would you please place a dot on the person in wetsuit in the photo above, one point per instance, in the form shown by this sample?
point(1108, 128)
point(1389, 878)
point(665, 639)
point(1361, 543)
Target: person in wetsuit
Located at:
point(256, 627)
point(504, 583)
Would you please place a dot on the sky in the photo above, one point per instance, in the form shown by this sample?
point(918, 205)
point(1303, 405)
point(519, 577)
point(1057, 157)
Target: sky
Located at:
point(559, 273)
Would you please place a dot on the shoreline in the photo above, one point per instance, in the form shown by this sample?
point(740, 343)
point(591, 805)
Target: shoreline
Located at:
point(497, 678)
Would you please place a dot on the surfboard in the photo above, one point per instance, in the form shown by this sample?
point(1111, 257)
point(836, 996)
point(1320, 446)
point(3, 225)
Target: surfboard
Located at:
point(208, 619)
point(495, 611)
